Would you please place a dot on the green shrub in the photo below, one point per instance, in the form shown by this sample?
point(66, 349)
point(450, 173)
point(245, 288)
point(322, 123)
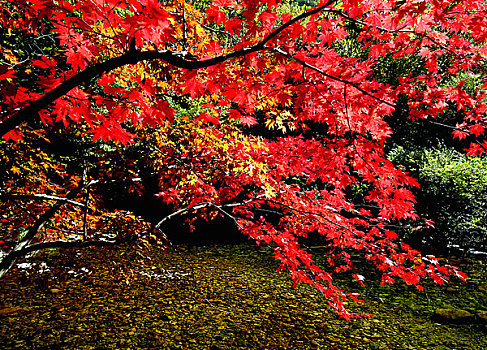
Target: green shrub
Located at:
point(453, 194)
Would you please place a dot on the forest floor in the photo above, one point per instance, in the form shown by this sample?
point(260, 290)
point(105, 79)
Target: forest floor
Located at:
point(220, 297)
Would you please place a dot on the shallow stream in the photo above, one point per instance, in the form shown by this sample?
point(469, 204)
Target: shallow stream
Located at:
point(221, 297)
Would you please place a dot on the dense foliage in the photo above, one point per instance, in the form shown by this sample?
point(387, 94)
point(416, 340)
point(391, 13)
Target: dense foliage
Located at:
point(453, 194)
point(117, 70)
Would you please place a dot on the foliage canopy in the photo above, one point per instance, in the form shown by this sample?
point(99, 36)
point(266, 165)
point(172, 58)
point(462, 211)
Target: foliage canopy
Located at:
point(116, 70)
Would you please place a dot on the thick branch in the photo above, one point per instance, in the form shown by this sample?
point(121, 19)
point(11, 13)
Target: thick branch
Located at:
point(133, 56)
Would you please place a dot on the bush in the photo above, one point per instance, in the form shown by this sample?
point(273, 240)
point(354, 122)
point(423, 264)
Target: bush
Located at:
point(453, 194)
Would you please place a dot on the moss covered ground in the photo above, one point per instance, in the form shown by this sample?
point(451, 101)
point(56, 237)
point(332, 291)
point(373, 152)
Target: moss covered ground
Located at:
point(219, 297)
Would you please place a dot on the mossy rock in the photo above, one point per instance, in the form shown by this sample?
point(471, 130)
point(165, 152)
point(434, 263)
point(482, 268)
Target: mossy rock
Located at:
point(450, 315)
point(482, 316)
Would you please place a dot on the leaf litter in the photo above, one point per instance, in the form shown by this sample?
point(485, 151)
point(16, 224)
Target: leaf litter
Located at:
point(217, 297)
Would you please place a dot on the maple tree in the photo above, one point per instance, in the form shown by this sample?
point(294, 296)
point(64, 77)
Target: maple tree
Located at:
point(121, 67)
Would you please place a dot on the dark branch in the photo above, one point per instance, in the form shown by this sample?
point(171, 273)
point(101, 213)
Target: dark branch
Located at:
point(320, 71)
point(133, 56)
point(294, 20)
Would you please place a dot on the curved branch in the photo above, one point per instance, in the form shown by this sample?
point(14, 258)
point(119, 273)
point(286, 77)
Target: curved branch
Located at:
point(294, 20)
point(8, 260)
point(133, 56)
point(65, 244)
point(40, 196)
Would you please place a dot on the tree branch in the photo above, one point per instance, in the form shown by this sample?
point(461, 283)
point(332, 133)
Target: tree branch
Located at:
point(318, 70)
point(9, 259)
point(133, 56)
point(66, 244)
point(40, 196)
